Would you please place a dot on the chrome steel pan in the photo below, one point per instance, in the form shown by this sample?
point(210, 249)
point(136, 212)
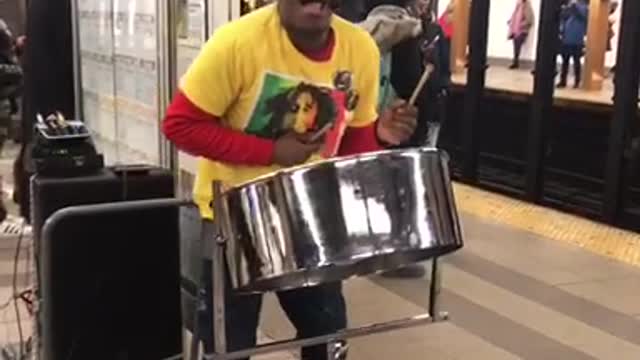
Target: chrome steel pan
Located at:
point(340, 218)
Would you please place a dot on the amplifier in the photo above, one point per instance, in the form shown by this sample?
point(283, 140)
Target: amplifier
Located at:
point(114, 280)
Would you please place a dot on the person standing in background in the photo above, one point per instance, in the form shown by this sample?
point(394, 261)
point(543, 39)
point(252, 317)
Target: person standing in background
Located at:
point(391, 25)
point(21, 42)
point(520, 25)
point(432, 51)
point(48, 84)
point(10, 83)
point(613, 7)
point(446, 24)
point(396, 30)
point(353, 10)
point(427, 51)
point(10, 87)
point(573, 29)
point(410, 39)
point(446, 21)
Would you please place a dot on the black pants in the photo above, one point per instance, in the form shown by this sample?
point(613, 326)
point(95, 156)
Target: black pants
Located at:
point(571, 52)
point(518, 42)
point(313, 312)
point(433, 112)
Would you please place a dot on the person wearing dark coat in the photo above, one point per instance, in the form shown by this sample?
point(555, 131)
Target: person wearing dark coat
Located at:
point(573, 30)
point(409, 59)
point(414, 54)
point(10, 86)
point(353, 10)
point(48, 80)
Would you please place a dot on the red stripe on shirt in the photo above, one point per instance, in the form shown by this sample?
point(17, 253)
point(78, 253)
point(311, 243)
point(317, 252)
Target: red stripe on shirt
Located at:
point(323, 54)
point(199, 133)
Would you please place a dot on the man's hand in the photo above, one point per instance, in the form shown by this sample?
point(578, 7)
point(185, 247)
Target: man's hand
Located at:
point(21, 41)
point(397, 123)
point(294, 149)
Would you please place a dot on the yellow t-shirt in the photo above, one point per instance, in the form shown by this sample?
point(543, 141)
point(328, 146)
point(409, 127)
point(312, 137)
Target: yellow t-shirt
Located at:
point(251, 76)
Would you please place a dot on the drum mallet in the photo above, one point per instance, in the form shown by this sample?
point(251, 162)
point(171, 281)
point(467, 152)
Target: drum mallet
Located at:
point(426, 74)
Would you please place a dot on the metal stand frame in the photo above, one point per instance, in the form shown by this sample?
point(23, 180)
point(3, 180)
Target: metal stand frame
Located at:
point(336, 348)
point(336, 342)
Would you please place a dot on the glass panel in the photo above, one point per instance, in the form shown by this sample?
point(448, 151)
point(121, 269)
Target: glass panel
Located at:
point(247, 6)
point(95, 32)
point(191, 32)
point(120, 76)
point(136, 80)
point(580, 122)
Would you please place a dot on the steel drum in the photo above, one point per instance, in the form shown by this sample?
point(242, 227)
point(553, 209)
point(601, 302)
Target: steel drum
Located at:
point(339, 218)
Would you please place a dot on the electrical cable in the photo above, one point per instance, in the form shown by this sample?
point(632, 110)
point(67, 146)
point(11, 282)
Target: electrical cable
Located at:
point(174, 357)
point(7, 303)
point(16, 296)
point(23, 295)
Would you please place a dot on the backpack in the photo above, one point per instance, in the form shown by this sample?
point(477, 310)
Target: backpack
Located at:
point(10, 78)
point(389, 25)
point(387, 93)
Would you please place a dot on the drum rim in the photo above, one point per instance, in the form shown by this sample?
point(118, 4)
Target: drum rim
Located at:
point(331, 161)
point(302, 278)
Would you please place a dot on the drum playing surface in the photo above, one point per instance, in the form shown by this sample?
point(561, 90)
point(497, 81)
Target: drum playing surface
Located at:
point(340, 218)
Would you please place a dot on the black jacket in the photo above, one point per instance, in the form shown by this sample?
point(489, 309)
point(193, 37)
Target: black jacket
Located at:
point(409, 59)
point(48, 81)
point(48, 62)
point(10, 70)
point(407, 64)
point(407, 68)
point(10, 78)
point(353, 10)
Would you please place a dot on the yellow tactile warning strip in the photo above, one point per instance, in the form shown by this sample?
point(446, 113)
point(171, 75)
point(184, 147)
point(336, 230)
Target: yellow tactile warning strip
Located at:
point(601, 239)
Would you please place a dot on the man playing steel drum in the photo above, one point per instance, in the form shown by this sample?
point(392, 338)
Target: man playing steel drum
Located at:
point(261, 92)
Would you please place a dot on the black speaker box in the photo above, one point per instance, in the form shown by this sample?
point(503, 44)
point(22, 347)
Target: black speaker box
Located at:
point(114, 279)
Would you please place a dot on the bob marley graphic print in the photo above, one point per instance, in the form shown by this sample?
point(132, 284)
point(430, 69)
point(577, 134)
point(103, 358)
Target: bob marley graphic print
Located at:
point(285, 103)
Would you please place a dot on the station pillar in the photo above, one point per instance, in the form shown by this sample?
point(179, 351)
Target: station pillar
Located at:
point(596, 46)
point(460, 38)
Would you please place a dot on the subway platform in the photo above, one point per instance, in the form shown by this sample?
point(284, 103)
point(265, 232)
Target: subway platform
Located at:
point(531, 283)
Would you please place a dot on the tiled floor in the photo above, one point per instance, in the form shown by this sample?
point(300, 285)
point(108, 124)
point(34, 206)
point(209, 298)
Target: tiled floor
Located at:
point(9, 333)
point(512, 294)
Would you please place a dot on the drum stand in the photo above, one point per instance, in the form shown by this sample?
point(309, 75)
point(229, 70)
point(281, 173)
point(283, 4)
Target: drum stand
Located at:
point(337, 347)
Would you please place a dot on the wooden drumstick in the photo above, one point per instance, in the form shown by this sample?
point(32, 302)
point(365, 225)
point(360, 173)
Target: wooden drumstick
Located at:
point(320, 133)
point(428, 70)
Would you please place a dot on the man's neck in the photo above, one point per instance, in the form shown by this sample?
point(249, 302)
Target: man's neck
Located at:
point(309, 42)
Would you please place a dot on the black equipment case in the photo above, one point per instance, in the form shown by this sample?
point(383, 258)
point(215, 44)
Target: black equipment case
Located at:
point(116, 278)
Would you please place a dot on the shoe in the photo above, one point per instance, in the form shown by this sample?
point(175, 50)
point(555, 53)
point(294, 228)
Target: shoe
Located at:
point(576, 86)
point(14, 227)
point(514, 66)
point(561, 85)
point(414, 271)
